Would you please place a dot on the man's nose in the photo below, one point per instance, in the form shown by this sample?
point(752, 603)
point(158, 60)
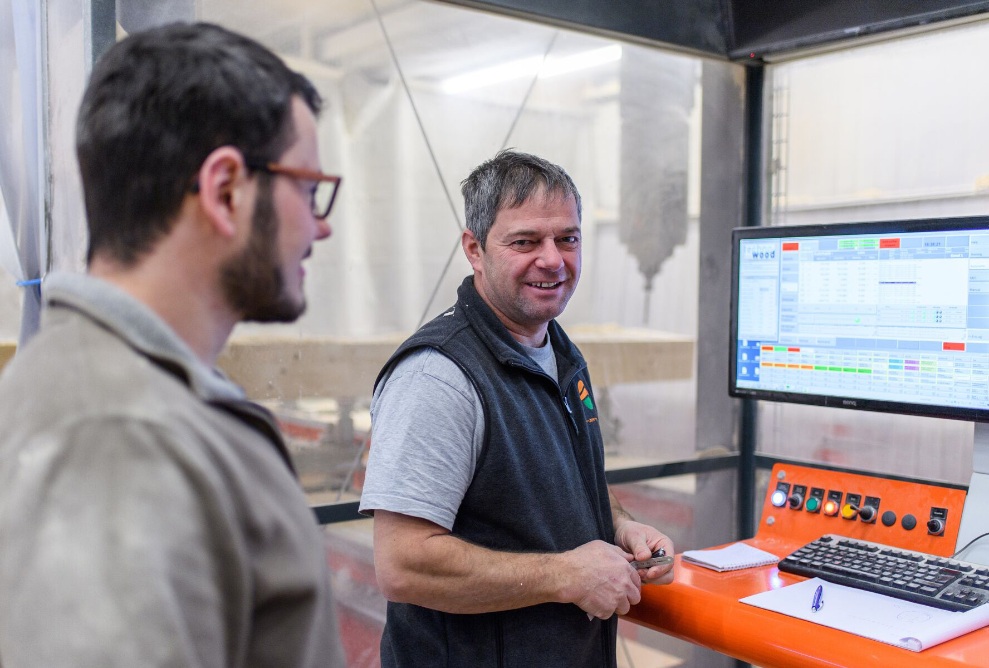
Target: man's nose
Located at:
point(549, 255)
point(323, 229)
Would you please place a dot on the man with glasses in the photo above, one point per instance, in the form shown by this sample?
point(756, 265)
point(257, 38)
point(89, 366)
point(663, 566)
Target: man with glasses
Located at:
point(149, 513)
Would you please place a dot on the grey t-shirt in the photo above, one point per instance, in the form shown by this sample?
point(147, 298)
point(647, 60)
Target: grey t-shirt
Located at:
point(427, 434)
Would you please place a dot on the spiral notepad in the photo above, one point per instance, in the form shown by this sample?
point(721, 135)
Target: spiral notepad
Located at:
point(731, 558)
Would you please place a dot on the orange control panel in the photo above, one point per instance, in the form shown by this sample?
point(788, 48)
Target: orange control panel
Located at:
point(803, 503)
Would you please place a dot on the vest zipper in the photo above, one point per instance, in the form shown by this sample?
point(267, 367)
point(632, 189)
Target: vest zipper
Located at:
point(573, 420)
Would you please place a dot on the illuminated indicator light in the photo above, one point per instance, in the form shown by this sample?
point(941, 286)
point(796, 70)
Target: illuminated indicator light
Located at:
point(813, 504)
point(778, 498)
point(830, 508)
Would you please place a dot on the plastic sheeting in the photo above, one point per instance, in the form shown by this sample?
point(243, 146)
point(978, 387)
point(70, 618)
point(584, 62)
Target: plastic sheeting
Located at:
point(21, 147)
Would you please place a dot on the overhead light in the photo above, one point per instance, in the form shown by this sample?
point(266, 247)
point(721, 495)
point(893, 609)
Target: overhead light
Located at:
point(529, 67)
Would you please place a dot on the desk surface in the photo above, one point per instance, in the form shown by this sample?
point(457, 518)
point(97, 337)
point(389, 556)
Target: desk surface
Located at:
point(702, 606)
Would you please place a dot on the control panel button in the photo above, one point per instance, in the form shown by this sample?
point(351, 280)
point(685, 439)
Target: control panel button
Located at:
point(938, 521)
point(870, 509)
point(780, 494)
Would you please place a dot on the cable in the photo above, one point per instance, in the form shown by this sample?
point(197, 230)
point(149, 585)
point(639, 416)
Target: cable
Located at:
point(528, 92)
point(969, 544)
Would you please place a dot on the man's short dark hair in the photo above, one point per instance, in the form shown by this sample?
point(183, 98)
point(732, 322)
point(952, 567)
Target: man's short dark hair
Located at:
point(508, 181)
point(158, 103)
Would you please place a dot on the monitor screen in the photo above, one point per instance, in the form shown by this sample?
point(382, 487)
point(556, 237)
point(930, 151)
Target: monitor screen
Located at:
point(887, 316)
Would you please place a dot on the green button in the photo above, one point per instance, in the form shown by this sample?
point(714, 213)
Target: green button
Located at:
point(813, 504)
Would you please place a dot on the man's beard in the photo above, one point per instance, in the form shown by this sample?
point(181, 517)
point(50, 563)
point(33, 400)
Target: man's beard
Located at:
point(253, 282)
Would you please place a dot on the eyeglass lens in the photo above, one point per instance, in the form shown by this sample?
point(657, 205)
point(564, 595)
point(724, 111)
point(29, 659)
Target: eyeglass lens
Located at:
point(322, 198)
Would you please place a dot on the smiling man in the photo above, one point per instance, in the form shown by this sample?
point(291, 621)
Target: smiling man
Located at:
point(149, 513)
point(496, 539)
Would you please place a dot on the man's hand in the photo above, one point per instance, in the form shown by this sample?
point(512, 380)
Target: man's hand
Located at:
point(640, 541)
point(600, 580)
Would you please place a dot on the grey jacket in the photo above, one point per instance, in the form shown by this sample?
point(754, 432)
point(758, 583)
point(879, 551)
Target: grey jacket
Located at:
point(148, 516)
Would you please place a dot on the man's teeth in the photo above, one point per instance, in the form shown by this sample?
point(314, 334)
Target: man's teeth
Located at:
point(545, 285)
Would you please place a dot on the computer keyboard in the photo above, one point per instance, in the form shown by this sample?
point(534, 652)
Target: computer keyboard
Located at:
point(940, 582)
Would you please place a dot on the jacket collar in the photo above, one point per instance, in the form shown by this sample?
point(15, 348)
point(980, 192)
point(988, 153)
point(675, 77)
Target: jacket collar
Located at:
point(505, 348)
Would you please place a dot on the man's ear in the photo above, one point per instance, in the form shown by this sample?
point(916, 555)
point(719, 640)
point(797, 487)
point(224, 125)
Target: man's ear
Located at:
point(472, 248)
point(223, 188)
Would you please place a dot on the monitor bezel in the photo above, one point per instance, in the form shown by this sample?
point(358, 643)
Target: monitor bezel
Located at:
point(954, 224)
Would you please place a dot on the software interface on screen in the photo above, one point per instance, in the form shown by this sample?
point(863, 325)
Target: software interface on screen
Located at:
point(900, 317)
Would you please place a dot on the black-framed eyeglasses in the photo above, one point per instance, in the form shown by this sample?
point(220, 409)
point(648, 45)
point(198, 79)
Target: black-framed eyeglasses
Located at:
point(324, 190)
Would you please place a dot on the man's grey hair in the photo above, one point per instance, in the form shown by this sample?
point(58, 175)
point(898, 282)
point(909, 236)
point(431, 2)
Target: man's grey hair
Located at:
point(508, 181)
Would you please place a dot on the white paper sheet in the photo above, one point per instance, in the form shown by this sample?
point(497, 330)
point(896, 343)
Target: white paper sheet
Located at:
point(883, 618)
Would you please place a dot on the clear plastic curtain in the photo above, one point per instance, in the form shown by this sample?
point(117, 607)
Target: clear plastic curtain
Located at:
point(22, 250)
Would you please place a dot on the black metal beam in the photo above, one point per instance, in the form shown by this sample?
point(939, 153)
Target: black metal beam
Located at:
point(754, 95)
point(337, 512)
point(765, 27)
point(102, 27)
point(736, 30)
point(697, 26)
point(346, 511)
point(668, 469)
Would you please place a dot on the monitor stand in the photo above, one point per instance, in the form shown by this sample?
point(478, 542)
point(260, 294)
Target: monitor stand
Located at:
point(975, 516)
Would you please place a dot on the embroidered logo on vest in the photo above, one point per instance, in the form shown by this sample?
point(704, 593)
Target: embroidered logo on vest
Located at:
point(585, 395)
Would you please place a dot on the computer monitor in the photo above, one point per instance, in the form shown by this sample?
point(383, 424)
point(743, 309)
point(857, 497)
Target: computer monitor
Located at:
point(888, 316)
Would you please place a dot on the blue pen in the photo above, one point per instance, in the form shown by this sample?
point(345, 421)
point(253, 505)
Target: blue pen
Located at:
point(818, 601)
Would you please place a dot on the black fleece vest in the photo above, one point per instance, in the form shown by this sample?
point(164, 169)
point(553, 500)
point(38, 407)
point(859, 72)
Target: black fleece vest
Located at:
point(539, 486)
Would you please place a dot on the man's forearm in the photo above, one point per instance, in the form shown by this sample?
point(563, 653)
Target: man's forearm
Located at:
point(452, 575)
point(419, 562)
